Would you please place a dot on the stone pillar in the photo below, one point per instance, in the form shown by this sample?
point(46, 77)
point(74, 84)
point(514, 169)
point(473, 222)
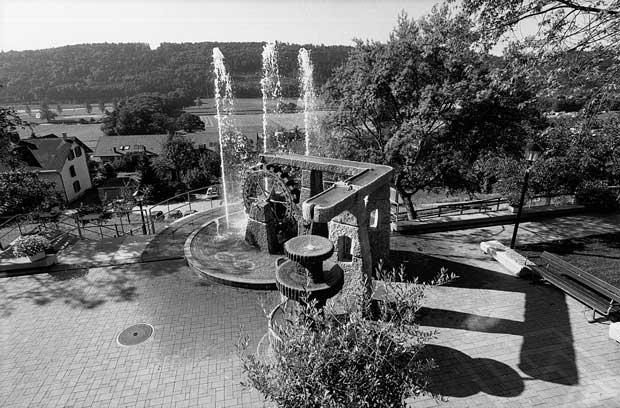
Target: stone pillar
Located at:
point(261, 229)
point(379, 233)
point(311, 185)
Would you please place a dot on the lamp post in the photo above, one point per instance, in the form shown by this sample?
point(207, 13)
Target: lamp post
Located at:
point(139, 196)
point(532, 153)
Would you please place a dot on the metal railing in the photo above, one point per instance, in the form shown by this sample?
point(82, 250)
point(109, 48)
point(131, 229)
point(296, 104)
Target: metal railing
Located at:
point(170, 208)
point(451, 208)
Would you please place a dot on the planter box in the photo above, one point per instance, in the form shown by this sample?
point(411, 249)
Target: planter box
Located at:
point(16, 264)
point(37, 257)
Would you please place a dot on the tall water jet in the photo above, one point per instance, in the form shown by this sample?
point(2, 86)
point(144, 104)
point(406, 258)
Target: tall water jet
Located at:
point(270, 85)
point(308, 95)
point(223, 103)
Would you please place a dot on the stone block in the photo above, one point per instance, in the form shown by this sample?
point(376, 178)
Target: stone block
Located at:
point(510, 259)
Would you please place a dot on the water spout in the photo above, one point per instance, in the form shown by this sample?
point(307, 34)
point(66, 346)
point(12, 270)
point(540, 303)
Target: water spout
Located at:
point(270, 85)
point(308, 95)
point(223, 103)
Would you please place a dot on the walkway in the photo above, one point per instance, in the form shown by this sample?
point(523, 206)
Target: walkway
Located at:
point(502, 341)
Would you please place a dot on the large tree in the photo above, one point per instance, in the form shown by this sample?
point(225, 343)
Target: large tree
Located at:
point(428, 103)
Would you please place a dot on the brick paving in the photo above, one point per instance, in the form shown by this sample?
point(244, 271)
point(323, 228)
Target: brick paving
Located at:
point(502, 341)
point(59, 339)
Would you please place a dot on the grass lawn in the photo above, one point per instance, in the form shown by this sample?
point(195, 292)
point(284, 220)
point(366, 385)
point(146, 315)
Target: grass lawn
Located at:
point(599, 254)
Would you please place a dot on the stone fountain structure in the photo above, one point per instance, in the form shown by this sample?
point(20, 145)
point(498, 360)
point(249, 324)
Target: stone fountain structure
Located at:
point(353, 215)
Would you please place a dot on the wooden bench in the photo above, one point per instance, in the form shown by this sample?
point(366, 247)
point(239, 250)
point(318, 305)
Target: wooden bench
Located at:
point(599, 295)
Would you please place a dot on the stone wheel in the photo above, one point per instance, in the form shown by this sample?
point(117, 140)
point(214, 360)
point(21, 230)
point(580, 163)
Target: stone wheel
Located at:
point(271, 184)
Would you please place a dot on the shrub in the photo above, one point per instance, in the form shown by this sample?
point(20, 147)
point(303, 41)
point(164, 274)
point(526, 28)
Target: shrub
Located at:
point(30, 245)
point(596, 195)
point(352, 361)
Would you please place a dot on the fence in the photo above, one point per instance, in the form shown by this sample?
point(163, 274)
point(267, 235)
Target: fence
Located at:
point(200, 199)
point(451, 208)
point(90, 226)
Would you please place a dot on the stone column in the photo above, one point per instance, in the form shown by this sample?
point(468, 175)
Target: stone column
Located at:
point(311, 185)
point(379, 234)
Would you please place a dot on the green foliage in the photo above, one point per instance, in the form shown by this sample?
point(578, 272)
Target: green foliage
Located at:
point(323, 360)
point(596, 195)
point(189, 123)
point(107, 71)
point(30, 245)
point(575, 24)
point(430, 104)
point(46, 112)
point(23, 191)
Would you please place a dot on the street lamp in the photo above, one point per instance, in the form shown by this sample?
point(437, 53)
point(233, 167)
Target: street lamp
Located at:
point(532, 153)
point(139, 197)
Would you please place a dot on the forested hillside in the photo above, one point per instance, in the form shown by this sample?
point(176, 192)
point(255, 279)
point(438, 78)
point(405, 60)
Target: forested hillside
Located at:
point(91, 72)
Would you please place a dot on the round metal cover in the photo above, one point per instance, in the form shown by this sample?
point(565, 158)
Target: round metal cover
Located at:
point(135, 334)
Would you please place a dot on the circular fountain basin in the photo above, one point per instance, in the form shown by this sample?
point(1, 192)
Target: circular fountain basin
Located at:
point(218, 252)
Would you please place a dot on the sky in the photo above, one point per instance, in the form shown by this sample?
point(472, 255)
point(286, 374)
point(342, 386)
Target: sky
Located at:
point(37, 24)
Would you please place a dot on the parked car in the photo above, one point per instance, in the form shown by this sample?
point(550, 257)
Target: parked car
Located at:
point(213, 193)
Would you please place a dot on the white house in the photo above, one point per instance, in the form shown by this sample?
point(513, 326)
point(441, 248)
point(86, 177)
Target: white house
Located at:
point(62, 160)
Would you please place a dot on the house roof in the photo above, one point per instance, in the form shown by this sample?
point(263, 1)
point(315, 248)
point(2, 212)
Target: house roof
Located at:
point(50, 151)
point(151, 144)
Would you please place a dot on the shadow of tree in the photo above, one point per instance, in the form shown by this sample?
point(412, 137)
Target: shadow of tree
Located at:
point(456, 374)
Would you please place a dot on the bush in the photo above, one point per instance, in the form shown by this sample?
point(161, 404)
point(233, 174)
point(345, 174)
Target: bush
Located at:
point(596, 195)
point(352, 361)
point(30, 245)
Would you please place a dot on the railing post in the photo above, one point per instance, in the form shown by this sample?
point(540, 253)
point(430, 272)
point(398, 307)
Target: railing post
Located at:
point(77, 224)
point(19, 226)
point(116, 229)
point(189, 203)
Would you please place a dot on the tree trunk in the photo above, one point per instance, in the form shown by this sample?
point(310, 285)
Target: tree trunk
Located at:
point(411, 212)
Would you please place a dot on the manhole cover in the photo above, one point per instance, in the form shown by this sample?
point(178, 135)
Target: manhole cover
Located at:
point(135, 334)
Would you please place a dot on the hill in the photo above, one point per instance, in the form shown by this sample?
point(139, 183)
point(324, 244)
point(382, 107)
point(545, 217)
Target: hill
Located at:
point(93, 72)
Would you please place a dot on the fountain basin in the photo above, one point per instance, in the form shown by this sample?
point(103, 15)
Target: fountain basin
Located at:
point(218, 252)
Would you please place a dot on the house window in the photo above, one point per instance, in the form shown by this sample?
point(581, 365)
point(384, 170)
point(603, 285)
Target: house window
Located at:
point(72, 171)
point(76, 186)
point(77, 151)
point(71, 155)
point(344, 249)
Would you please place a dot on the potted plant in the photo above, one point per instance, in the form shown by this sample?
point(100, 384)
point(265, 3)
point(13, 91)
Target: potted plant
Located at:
point(32, 246)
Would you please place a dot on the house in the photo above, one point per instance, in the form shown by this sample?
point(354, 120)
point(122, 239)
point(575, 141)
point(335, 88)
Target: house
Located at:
point(110, 147)
point(62, 160)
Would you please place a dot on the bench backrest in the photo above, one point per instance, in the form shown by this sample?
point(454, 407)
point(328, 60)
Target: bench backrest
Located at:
point(557, 264)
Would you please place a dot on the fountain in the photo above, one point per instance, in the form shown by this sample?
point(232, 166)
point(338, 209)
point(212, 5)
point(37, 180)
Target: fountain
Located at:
point(226, 103)
point(270, 85)
point(307, 93)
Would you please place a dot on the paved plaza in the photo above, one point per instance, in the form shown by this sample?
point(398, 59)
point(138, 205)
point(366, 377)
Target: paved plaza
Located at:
point(502, 341)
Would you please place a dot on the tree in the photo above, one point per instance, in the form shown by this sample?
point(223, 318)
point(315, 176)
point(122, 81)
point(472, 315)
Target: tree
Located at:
point(563, 24)
point(89, 107)
point(46, 112)
point(23, 191)
point(189, 123)
point(428, 103)
point(177, 157)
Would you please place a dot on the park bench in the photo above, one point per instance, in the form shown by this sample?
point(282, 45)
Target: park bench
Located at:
point(599, 295)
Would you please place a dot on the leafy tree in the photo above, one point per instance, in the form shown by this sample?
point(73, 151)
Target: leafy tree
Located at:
point(89, 107)
point(189, 123)
point(23, 191)
point(46, 112)
point(178, 156)
point(429, 104)
point(563, 24)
